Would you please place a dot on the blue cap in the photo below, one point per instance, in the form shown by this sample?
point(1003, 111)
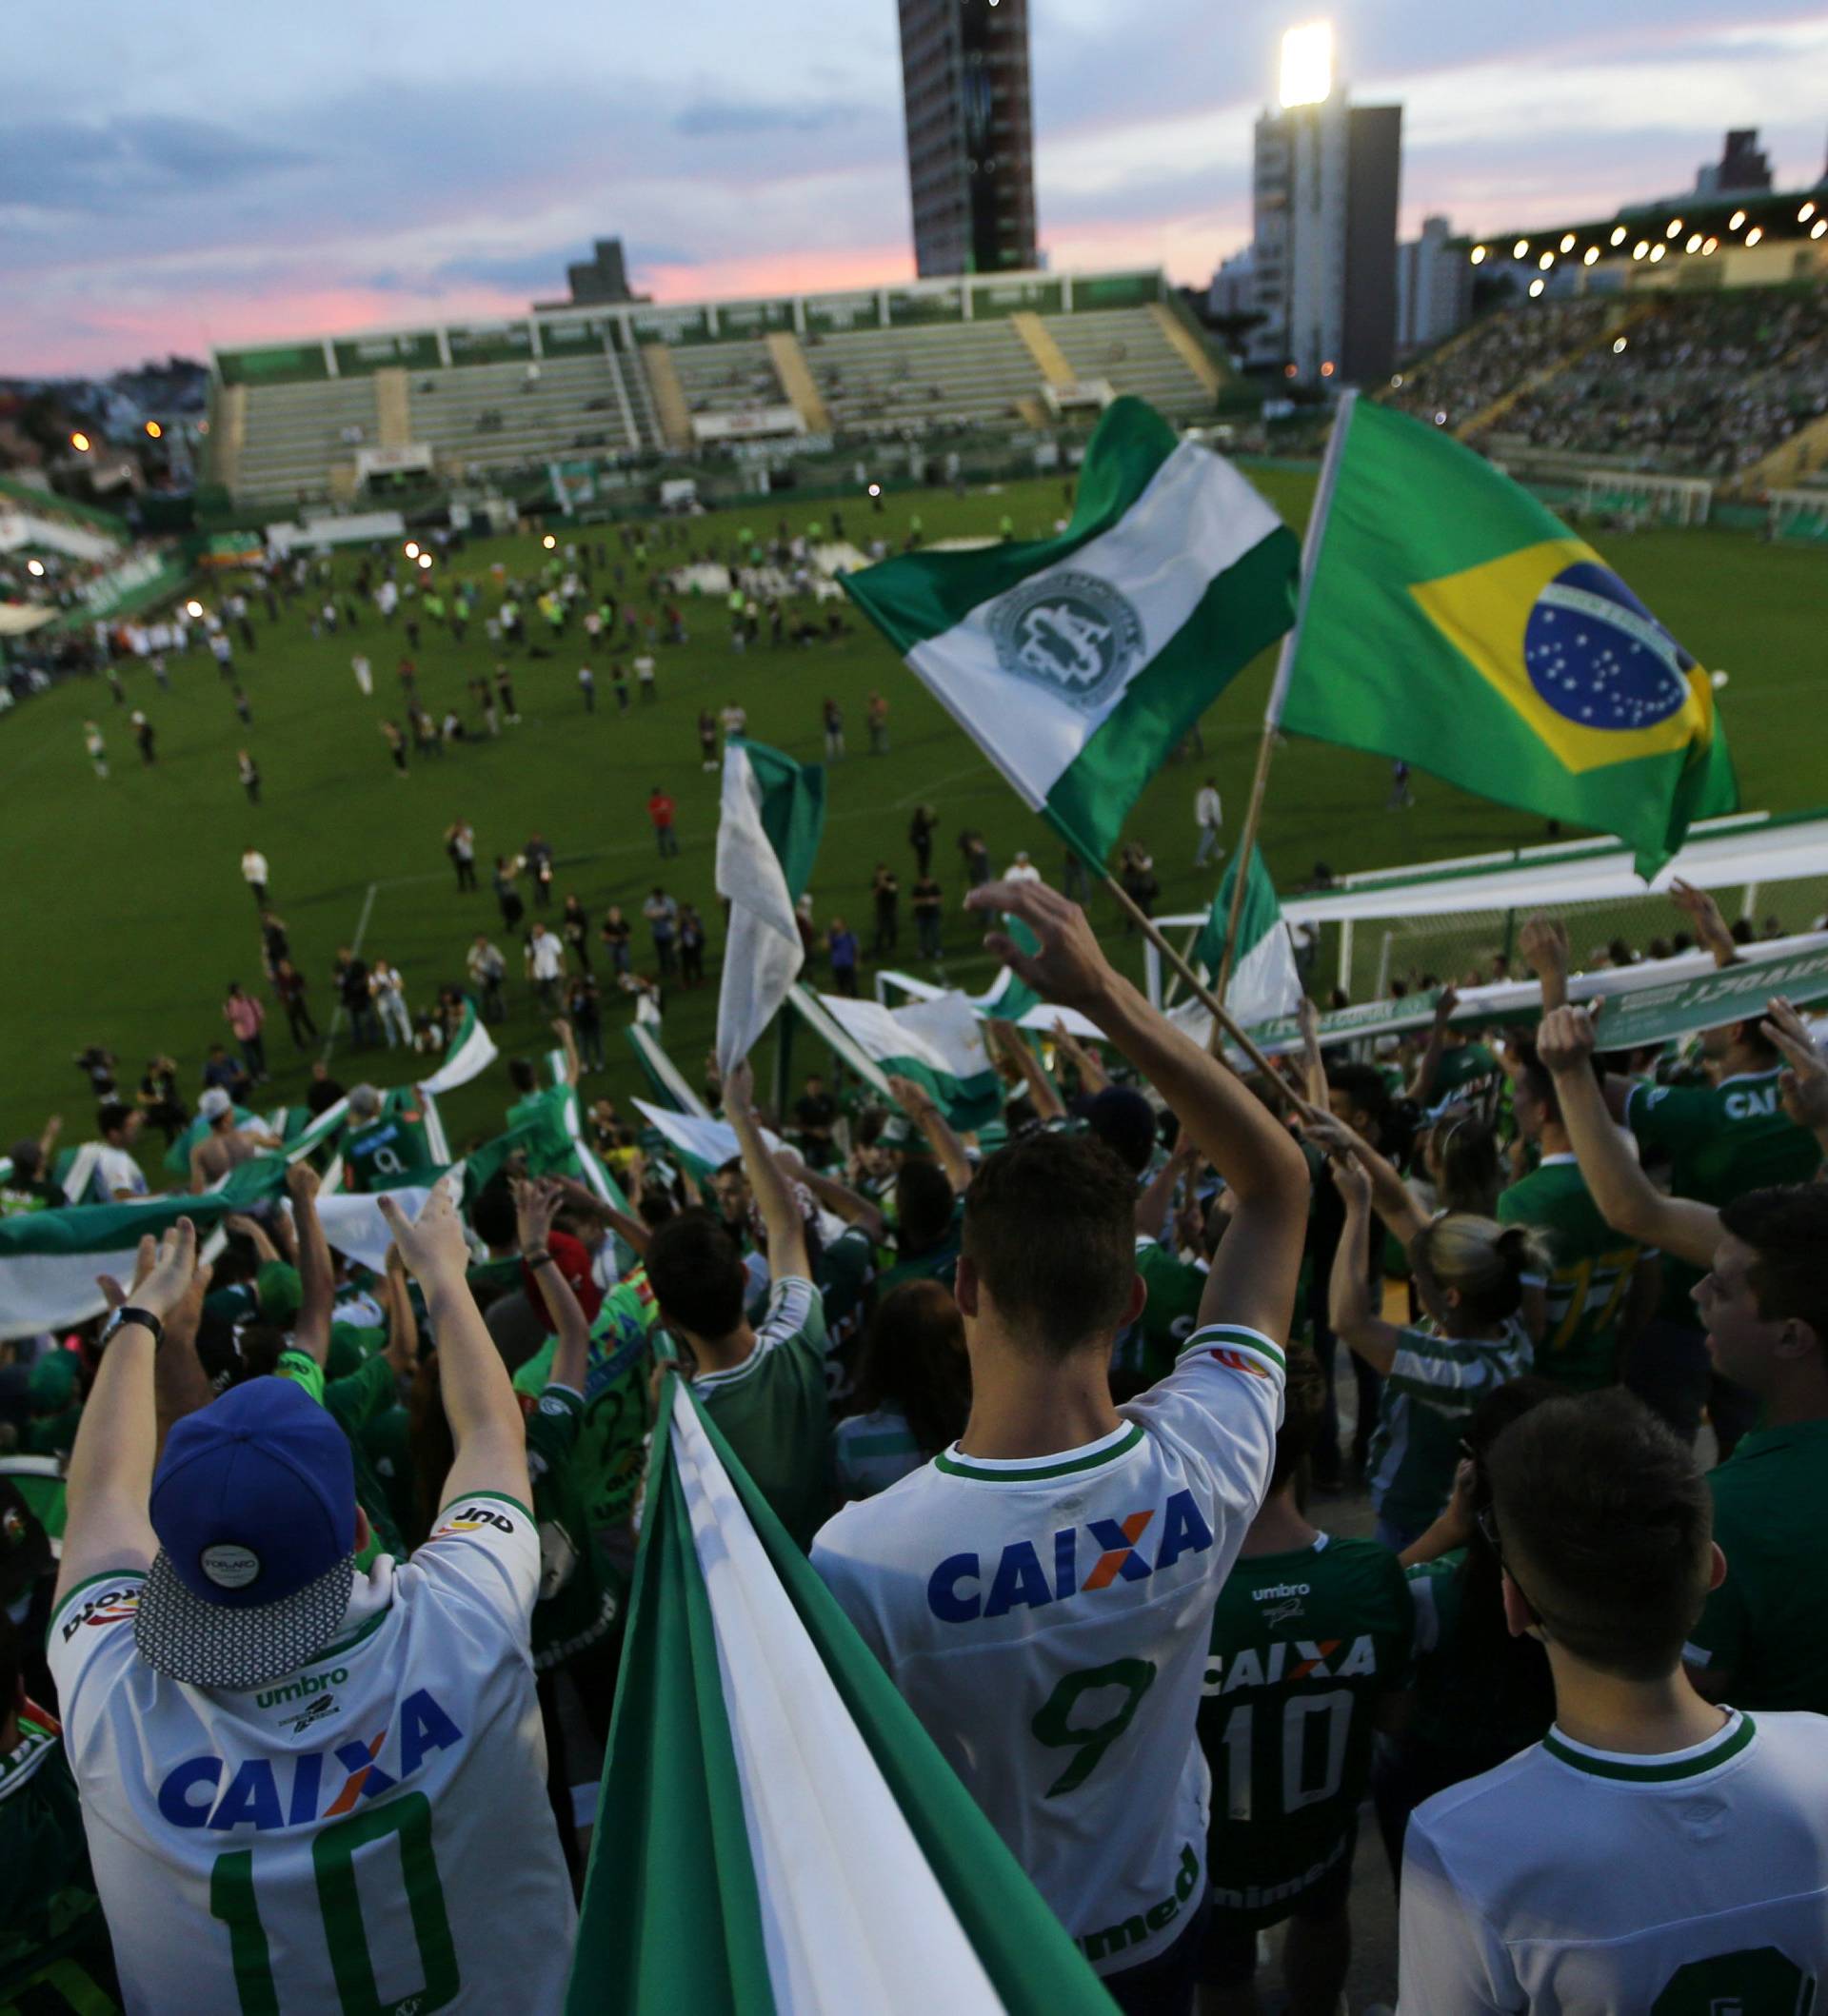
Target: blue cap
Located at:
point(253, 1504)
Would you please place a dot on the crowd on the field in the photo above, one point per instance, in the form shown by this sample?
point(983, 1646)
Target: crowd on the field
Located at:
point(1063, 1409)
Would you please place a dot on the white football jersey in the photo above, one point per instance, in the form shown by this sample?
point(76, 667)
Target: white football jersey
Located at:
point(1572, 1880)
point(370, 1832)
point(1047, 1622)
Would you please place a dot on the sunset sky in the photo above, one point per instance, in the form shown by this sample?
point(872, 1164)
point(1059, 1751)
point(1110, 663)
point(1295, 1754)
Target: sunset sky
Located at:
point(200, 173)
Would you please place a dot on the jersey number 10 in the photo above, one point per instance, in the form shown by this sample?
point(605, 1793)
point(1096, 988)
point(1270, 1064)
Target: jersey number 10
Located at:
point(233, 1900)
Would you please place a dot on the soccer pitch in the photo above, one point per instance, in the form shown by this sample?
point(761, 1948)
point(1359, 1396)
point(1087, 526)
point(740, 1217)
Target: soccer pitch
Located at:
point(125, 916)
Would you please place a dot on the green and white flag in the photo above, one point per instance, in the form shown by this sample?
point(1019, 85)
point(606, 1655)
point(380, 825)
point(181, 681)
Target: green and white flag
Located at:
point(667, 1081)
point(49, 1260)
point(702, 1144)
point(939, 1044)
point(1078, 664)
point(471, 1052)
point(786, 1841)
point(768, 825)
point(1263, 981)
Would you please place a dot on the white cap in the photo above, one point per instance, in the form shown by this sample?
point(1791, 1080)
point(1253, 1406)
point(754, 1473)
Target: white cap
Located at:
point(215, 1103)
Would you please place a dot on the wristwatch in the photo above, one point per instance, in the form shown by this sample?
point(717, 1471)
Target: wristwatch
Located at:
point(126, 1313)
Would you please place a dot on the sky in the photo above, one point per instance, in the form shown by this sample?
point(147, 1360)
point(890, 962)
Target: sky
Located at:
point(205, 172)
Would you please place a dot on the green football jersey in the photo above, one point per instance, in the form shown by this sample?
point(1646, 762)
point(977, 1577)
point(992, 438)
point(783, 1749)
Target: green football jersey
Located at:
point(1722, 1140)
point(548, 1140)
point(1591, 1274)
point(1146, 1350)
point(1304, 1646)
point(1766, 1623)
point(612, 1443)
point(390, 1152)
point(49, 1912)
point(351, 1403)
point(581, 1596)
point(1463, 1067)
point(1430, 1391)
point(847, 1272)
point(771, 1409)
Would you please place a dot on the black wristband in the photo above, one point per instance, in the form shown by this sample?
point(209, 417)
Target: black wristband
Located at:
point(126, 1313)
point(542, 1258)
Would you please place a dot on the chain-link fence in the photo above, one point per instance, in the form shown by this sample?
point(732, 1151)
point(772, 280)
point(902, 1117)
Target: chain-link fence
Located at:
point(1464, 947)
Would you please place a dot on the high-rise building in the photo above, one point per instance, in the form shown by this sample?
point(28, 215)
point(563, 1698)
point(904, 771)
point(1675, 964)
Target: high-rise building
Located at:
point(1434, 289)
point(970, 134)
point(1742, 168)
point(1323, 200)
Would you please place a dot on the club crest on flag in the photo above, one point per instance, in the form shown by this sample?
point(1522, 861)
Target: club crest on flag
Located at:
point(1070, 632)
point(1572, 649)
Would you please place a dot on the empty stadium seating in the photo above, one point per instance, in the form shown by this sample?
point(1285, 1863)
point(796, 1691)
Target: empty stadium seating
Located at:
point(494, 416)
point(299, 441)
point(294, 434)
point(1127, 347)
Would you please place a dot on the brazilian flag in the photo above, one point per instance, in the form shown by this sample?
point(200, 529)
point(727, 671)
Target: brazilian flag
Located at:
point(1451, 620)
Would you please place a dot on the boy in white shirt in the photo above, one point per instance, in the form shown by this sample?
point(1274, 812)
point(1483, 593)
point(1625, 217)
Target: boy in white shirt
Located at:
point(1042, 1593)
point(1653, 1851)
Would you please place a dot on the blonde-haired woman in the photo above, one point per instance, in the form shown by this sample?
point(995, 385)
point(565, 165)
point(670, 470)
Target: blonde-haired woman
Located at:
point(1469, 1271)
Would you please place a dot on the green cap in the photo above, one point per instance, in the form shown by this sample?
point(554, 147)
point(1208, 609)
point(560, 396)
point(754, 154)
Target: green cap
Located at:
point(280, 1292)
point(52, 1380)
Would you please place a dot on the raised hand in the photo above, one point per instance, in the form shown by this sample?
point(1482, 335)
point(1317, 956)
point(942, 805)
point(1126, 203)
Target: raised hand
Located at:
point(1068, 967)
point(433, 1246)
point(1803, 1086)
point(1543, 942)
point(162, 1275)
point(1564, 1039)
point(302, 1183)
point(739, 1088)
point(1351, 1180)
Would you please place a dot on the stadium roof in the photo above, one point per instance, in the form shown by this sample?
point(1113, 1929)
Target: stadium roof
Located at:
point(1697, 226)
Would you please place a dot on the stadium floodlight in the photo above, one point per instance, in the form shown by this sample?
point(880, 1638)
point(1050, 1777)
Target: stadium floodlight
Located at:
point(1639, 249)
point(1546, 261)
point(1590, 256)
point(1694, 244)
point(80, 442)
point(413, 549)
point(1656, 253)
point(549, 542)
point(154, 430)
point(1617, 345)
point(1536, 285)
point(1675, 227)
point(1520, 249)
point(35, 567)
point(193, 610)
point(1479, 255)
point(1807, 211)
point(1307, 64)
point(1819, 226)
point(425, 560)
point(1753, 236)
point(1734, 222)
point(1567, 240)
point(875, 489)
point(1617, 234)
point(1326, 369)
point(1709, 246)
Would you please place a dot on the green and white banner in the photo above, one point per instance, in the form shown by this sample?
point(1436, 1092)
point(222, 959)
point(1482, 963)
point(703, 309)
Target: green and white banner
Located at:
point(939, 1044)
point(1078, 664)
point(471, 1052)
point(772, 812)
point(1263, 981)
point(786, 1839)
point(702, 1144)
point(50, 1259)
point(669, 1081)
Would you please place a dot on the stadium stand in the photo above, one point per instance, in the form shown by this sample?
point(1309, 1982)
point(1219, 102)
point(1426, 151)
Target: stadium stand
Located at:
point(938, 356)
point(1713, 385)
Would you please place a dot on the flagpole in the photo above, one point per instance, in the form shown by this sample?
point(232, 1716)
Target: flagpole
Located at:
point(1222, 1021)
point(1279, 689)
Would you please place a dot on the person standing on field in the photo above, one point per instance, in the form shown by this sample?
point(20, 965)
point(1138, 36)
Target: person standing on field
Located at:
point(98, 749)
point(203, 1584)
point(1209, 815)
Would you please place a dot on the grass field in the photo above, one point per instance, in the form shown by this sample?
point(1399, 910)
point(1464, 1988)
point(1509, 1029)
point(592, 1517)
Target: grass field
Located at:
point(124, 916)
